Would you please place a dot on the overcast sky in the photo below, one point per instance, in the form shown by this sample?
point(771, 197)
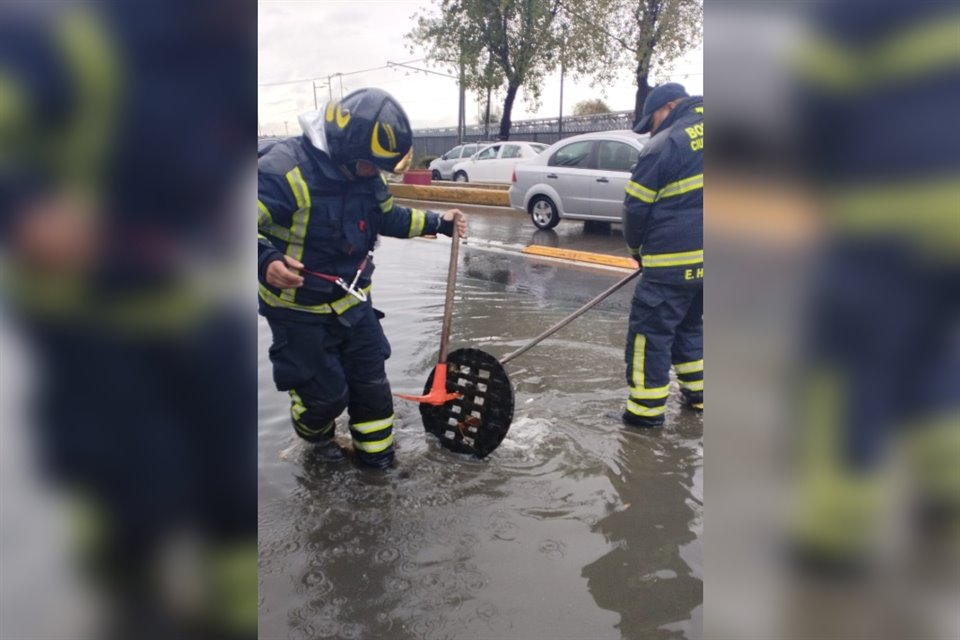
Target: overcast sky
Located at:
point(303, 39)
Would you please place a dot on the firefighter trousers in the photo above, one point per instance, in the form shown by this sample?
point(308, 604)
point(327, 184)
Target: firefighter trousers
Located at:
point(327, 367)
point(666, 329)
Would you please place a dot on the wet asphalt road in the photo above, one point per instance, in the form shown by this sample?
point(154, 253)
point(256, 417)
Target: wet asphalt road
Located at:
point(576, 527)
point(509, 226)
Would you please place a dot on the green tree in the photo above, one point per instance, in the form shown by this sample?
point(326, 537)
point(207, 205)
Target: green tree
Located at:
point(647, 36)
point(492, 43)
point(590, 107)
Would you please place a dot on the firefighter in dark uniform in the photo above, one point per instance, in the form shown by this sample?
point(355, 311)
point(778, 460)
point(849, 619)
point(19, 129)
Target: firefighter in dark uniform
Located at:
point(879, 400)
point(322, 205)
point(119, 164)
point(663, 227)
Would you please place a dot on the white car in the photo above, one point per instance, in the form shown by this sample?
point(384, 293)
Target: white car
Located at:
point(496, 162)
point(583, 177)
point(442, 168)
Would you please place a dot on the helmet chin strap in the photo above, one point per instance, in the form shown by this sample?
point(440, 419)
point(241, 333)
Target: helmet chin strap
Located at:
point(351, 174)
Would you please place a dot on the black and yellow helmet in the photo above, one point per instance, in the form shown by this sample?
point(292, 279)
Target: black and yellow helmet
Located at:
point(369, 124)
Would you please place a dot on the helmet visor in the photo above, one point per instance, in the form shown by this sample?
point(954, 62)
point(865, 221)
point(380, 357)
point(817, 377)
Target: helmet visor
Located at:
point(404, 164)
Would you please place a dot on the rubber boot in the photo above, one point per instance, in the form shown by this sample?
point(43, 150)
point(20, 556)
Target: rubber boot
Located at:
point(632, 420)
point(328, 451)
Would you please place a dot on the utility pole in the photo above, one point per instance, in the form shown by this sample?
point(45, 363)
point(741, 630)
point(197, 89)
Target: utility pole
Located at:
point(462, 114)
point(286, 127)
point(560, 127)
point(316, 106)
point(330, 86)
point(562, 70)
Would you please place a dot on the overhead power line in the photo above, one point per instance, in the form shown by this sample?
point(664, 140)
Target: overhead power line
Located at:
point(340, 73)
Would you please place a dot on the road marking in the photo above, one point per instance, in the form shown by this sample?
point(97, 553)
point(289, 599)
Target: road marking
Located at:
point(581, 256)
point(519, 250)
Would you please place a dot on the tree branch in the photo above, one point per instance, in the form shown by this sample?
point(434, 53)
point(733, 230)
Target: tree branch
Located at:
point(594, 25)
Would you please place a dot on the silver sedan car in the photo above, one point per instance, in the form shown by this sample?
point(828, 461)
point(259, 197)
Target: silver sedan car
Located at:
point(583, 177)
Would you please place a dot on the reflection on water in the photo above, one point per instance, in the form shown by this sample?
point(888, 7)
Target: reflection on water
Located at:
point(573, 528)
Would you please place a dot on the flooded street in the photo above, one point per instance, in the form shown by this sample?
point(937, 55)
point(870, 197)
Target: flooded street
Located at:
point(576, 527)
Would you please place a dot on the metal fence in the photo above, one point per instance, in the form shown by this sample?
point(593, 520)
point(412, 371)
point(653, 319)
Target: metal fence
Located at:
point(435, 142)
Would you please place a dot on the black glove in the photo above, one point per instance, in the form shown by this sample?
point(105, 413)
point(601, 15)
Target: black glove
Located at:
point(446, 227)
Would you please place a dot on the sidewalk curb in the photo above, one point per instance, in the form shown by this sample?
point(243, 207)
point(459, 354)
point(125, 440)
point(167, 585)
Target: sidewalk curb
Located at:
point(459, 195)
point(581, 256)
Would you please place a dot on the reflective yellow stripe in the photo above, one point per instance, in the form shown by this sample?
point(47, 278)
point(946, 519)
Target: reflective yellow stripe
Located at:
point(300, 427)
point(927, 48)
point(877, 210)
point(673, 259)
point(640, 192)
point(337, 306)
point(92, 55)
point(277, 231)
point(639, 347)
point(374, 447)
point(417, 219)
point(301, 218)
point(689, 367)
point(298, 407)
point(387, 205)
point(681, 186)
point(13, 103)
point(373, 425)
point(677, 188)
point(646, 412)
point(263, 214)
point(303, 429)
point(634, 251)
point(697, 405)
point(233, 587)
point(654, 393)
point(696, 385)
point(266, 225)
point(346, 302)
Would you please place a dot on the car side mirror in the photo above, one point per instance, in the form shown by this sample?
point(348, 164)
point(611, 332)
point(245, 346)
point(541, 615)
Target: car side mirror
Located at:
point(443, 157)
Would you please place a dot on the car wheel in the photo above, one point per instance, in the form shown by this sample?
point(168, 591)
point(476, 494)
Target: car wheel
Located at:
point(461, 176)
point(435, 175)
point(544, 213)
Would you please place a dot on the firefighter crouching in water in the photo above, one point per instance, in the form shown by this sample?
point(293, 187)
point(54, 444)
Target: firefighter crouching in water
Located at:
point(663, 227)
point(322, 205)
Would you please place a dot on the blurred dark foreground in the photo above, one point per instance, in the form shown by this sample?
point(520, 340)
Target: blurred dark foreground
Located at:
point(833, 229)
point(128, 424)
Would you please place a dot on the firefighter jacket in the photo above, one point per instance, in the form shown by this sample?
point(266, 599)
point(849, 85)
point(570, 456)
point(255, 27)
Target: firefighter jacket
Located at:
point(663, 209)
point(309, 210)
